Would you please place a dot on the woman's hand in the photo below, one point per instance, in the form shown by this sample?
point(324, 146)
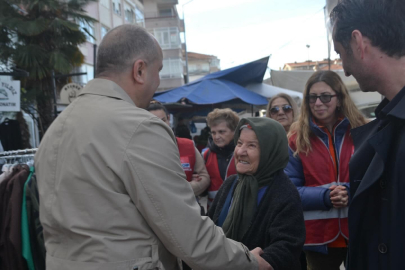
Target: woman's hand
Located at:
point(339, 196)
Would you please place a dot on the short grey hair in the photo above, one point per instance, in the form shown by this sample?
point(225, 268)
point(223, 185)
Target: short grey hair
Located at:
point(122, 46)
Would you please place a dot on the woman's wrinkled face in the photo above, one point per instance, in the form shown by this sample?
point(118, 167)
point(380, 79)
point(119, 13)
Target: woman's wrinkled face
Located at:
point(247, 152)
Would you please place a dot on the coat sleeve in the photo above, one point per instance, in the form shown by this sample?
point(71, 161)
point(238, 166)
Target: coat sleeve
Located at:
point(158, 187)
point(286, 231)
point(312, 198)
point(199, 167)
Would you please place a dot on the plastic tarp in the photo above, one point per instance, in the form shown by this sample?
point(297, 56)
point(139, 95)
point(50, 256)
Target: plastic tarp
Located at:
point(296, 80)
point(211, 91)
point(269, 91)
point(252, 72)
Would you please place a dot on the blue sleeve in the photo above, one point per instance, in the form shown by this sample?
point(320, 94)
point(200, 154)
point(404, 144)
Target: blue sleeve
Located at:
point(312, 198)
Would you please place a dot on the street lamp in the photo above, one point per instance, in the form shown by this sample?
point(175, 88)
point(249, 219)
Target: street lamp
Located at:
point(308, 46)
point(185, 41)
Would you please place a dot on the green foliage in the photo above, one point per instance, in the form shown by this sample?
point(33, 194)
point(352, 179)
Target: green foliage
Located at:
point(40, 36)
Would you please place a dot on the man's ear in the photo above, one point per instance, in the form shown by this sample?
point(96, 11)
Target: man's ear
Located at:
point(139, 71)
point(358, 43)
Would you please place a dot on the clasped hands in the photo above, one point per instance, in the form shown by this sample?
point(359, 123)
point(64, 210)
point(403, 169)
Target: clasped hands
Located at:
point(339, 196)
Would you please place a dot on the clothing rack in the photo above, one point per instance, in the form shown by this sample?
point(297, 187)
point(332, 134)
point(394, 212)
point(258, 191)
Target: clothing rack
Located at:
point(18, 153)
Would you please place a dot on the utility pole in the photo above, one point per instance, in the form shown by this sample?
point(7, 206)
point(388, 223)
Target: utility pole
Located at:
point(185, 41)
point(308, 46)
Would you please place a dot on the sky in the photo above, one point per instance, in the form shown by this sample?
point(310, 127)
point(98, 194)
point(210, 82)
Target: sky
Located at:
point(241, 31)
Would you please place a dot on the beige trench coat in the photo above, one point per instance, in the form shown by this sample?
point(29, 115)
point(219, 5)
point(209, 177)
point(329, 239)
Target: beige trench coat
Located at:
point(113, 195)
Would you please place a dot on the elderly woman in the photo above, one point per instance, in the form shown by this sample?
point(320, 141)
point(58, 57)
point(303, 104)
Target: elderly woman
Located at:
point(259, 206)
point(283, 109)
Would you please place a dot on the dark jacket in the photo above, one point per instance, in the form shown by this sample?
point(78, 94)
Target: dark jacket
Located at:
point(377, 171)
point(278, 225)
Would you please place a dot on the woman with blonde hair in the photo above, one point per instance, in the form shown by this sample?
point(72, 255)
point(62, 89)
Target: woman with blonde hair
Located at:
point(320, 147)
point(283, 109)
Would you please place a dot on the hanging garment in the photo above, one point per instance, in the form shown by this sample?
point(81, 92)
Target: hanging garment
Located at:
point(10, 135)
point(25, 233)
point(10, 245)
point(35, 227)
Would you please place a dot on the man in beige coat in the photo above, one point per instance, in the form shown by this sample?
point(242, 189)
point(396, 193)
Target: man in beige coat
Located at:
point(113, 194)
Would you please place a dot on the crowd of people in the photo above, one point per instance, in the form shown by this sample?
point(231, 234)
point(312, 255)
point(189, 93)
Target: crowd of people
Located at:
point(310, 188)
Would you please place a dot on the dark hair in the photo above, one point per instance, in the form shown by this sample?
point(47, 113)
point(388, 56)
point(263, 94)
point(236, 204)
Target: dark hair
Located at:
point(157, 106)
point(122, 46)
point(382, 21)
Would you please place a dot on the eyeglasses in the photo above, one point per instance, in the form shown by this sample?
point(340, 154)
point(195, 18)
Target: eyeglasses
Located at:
point(276, 109)
point(323, 98)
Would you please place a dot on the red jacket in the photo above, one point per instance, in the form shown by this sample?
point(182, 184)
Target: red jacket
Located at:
point(213, 170)
point(187, 156)
point(314, 174)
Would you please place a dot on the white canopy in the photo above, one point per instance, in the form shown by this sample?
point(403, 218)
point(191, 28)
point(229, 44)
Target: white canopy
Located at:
point(269, 91)
point(296, 80)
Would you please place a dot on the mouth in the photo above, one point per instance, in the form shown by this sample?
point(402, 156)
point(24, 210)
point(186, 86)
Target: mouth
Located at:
point(243, 162)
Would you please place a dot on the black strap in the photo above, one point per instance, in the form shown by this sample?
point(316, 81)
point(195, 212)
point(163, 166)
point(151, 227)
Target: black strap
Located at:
point(206, 157)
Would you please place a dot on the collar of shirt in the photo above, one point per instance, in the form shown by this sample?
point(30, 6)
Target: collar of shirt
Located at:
point(386, 106)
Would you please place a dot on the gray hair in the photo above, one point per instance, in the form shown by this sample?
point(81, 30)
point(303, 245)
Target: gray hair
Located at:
point(122, 46)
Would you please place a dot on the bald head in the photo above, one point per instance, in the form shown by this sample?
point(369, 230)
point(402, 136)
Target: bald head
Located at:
point(122, 46)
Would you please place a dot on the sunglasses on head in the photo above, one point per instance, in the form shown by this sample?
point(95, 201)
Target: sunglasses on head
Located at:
point(323, 98)
point(276, 109)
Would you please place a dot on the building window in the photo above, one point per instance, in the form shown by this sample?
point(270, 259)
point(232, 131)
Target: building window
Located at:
point(83, 79)
point(168, 38)
point(139, 17)
point(104, 31)
point(117, 7)
point(88, 30)
point(172, 68)
point(129, 14)
point(105, 3)
point(166, 12)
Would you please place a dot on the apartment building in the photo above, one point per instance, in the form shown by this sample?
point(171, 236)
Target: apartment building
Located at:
point(162, 20)
point(200, 65)
point(109, 14)
point(315, 65)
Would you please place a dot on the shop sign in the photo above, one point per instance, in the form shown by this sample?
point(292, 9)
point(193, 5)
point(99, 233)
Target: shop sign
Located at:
point(9, 95)
point(69, 92)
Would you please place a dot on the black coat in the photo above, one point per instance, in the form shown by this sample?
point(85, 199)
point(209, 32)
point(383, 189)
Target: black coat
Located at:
point(278, 225)
point(377, 188)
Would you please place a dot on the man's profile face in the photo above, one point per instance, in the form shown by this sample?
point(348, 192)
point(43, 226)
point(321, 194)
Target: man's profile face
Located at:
point(153, 78)
point(344, 55)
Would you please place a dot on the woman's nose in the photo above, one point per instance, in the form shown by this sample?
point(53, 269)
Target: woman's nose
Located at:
point(318, 102)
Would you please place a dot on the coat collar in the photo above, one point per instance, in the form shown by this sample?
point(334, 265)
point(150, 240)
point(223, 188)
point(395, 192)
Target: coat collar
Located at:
point(342, 125)
point(104, 87)
point(394, 108)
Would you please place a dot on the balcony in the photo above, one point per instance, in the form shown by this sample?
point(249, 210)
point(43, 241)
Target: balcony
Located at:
point(174, 2)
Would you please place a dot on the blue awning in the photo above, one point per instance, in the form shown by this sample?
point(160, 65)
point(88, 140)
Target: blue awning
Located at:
point(211, 91)
point(252, 72)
